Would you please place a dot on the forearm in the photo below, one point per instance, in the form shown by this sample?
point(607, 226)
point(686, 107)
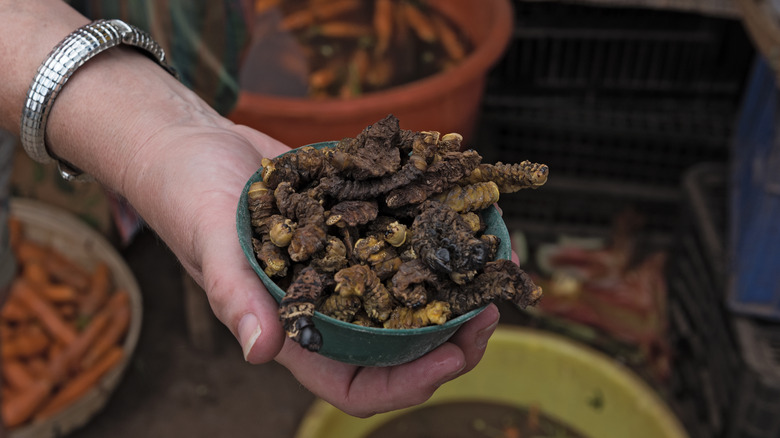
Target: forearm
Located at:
point(108, 111)
point(30, 29)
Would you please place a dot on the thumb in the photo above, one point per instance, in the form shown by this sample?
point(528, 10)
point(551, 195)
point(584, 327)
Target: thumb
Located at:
point(239, 299)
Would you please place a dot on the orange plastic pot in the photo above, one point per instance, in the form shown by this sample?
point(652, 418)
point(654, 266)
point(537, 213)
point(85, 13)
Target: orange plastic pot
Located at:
point(445, 102)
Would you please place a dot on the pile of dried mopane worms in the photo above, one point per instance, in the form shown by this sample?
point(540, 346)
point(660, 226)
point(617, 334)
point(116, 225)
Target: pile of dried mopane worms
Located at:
point(61, 330)
point(385, 230)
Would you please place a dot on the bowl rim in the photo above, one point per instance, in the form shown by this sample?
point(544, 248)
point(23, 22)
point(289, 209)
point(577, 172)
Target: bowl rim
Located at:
point(277, 292)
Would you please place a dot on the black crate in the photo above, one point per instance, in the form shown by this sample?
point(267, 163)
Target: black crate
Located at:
point(644, 146)
point(755, 410)
point(570, 48)
point(707, 364)
point(619, 102)
point(604, 156)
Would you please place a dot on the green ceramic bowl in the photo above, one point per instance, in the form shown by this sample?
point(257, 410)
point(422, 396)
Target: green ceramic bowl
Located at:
point(367, 346)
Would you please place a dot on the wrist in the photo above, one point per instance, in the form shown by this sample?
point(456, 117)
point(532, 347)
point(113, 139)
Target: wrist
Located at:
point(112, 108)
point(78, 48)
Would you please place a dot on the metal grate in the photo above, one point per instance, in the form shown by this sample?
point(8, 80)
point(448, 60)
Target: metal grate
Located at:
point(708, 364)
point(560, 47)
point(758, 402)
point(647, 143)
point(619, 102)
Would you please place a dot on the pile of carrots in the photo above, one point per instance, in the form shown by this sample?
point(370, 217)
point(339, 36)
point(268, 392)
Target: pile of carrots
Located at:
point(61, 330)
point(357, 46)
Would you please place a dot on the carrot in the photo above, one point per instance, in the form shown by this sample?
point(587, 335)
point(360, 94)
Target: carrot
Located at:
point(318, 12)
point(16, 375)
point(6, 393)
point(120, 321)
point(54, 351)
point(420, 24)
point(328, 9)
point(297, 20)
point(61, 365)
point(360, 61)
point(449, 39)
point(263, 6)
point(19, 406)
point(35, 273)
point(117, 300)
point(343, 29)
point(57, 265)
point(44, 311)
point(69, 312)
point(79, 385)
point(380, 72)
point(7, 331)
point(322, 78)
point(383, 25)
point(64, 271)
point(27, 342)
point(15, 312)
point(15, 232)
point(401, 30)
point(29, 252)
point(98, 290)
point(59, 293)
point(38, 367)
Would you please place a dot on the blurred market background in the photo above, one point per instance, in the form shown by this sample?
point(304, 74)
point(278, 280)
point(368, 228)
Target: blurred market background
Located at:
point(655, 238)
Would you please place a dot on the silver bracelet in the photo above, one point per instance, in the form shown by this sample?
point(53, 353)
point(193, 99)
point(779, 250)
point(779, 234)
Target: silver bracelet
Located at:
point(70, 54)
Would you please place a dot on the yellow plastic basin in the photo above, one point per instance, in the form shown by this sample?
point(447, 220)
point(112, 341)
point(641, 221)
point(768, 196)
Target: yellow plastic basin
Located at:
point(570, 383)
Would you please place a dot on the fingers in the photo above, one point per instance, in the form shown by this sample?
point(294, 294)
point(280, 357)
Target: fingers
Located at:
point(365, 391)
point(238, 298)
point(354, 389)
point(472, 337)
point(235, 293)
point(405, 385)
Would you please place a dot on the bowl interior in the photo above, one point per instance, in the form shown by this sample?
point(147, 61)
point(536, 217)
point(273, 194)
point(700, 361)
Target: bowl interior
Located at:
point(367, 346)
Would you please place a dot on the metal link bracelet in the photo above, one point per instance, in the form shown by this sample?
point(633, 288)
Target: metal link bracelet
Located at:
point(70, 54)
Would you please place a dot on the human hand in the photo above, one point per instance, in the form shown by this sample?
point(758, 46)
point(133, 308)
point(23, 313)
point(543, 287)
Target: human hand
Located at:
point(209, 173)
point(365, 391)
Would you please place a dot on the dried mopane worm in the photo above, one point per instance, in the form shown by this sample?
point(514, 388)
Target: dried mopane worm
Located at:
point(385, 230)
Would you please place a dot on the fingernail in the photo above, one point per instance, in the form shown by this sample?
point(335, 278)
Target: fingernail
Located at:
point(248, 332)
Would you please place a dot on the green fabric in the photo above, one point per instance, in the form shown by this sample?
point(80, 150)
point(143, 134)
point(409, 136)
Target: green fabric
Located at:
point(204, 40)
